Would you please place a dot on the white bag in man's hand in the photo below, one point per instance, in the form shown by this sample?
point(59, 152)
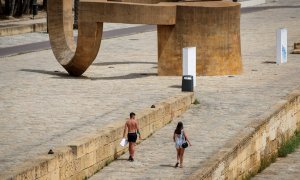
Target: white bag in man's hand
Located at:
point(123, 142)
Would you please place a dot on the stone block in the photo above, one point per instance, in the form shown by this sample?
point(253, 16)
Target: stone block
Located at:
point(158, 124)
point(83, 146)
point(28, 174)
point(108, 150)
point(100, 155)
point(67, 170)
point(64, 155)
point(143, 120)
point(232, 168)
point(145, 131)
point(167, 119)
point(52, 175)
point(87, 160)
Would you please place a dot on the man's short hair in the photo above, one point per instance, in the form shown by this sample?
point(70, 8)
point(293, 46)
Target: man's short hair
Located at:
point(132, 114)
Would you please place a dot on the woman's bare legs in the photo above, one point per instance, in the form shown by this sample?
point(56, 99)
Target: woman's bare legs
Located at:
point(178, 156)
point(181, 156)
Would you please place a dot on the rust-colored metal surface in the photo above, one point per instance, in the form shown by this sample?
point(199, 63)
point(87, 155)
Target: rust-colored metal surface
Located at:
point(211, 26)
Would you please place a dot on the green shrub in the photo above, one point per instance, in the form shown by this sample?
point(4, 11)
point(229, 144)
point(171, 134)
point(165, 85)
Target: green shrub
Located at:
point(289, 146)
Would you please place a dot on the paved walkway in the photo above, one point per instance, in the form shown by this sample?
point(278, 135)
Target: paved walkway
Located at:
point(29, 38)
point(287, 168)
point(42, 107)
point(227, 104)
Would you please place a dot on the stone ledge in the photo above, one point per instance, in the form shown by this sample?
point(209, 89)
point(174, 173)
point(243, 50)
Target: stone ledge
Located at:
point(259, 141)
point(21, 29)
point(85, 156)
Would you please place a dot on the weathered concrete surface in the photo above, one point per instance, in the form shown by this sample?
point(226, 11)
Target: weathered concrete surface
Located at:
point(228, 104)
point(287, 168)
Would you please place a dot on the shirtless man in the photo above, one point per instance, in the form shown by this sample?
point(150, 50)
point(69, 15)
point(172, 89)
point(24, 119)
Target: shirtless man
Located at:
point(133, 129)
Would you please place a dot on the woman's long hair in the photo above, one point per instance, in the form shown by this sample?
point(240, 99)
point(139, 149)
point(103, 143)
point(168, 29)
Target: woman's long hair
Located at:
point(179, 128)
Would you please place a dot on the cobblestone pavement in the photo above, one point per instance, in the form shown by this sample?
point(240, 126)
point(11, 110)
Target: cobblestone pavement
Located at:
point(227, 104)
point(28, 38)
point(287, 168)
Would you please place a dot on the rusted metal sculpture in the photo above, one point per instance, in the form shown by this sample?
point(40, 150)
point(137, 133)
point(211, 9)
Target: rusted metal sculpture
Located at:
point(211, 26)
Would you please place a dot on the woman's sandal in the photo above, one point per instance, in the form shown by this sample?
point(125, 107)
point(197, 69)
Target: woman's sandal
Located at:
point(176, 165)
point(130, 159)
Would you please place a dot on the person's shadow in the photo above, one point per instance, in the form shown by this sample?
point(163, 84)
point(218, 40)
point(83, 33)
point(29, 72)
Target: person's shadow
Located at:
point(121, 159)
point(167, 165)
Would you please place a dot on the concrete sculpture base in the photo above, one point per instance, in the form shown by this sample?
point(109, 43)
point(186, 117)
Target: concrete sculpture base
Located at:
point(212, 26)
point(296, 48)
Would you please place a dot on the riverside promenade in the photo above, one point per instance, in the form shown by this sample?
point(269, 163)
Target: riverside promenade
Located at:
point(227, 104)
point(42, 107)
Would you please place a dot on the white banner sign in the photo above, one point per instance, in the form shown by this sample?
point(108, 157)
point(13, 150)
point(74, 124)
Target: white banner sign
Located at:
point(189, 62)
point(281, 41)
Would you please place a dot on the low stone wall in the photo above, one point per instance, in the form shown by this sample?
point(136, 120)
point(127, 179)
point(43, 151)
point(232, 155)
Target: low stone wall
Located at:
point(20, 29)
point(257, 144)
point(86, 156)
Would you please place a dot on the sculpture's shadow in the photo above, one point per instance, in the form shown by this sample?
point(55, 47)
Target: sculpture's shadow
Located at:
point(127, 76)
point(121, 63)
point(64, 75)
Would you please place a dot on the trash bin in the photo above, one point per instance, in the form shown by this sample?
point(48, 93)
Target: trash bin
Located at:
point(187, 83)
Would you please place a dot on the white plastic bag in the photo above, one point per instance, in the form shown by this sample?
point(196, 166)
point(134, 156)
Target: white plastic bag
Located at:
point(123, 142)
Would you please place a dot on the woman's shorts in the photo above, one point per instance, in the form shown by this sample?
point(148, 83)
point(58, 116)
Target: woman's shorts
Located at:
point(132, 137)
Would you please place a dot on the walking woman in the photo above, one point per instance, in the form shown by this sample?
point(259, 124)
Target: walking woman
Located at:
point(180, 138)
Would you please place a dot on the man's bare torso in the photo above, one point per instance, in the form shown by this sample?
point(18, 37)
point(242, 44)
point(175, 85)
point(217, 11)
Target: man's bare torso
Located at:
point(131, 125)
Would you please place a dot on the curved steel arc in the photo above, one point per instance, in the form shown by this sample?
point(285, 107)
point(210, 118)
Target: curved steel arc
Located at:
point(60, 27)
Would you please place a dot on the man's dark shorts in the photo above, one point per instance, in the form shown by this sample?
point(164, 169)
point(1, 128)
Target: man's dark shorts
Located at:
point(132, 137)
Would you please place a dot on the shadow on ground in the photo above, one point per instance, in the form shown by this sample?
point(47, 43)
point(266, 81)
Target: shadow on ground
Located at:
point(120, 63)
point(63, 75)
point(167, 165)
point(128, 76)
point(255, 9)
point(58, 74)
point(175, 86)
